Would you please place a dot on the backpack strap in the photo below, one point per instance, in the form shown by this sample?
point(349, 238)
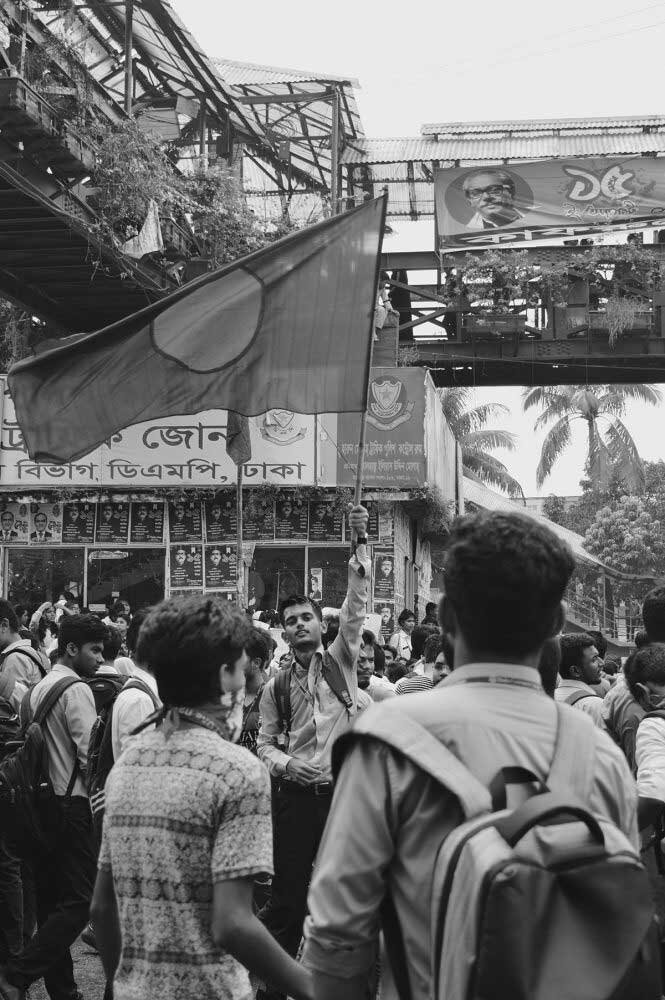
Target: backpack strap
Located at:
point(576, 696)
point(47, 703)
point(658, 713)
point(31, 654)
point(136, 684)
point(412, 740)
point(332, 674)
point(52, 696)
point(573, 763)
point(282, 691)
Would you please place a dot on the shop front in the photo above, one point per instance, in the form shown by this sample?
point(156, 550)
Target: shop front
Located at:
point(153, 511)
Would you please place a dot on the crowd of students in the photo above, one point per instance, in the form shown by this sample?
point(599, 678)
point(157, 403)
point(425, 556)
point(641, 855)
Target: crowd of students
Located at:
point(234, 826)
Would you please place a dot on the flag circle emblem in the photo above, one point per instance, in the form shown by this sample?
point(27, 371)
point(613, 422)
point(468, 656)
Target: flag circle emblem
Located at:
point(211, 326)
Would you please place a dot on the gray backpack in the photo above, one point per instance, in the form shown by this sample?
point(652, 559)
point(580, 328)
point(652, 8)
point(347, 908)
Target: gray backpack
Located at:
point(544, 902)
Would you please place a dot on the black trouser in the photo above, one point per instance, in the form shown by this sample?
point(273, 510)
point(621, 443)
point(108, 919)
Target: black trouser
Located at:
point(17, 905)
point(64, 881)
point(299, 820)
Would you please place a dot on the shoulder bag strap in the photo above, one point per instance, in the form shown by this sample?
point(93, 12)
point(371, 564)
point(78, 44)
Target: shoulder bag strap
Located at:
point(573, 764)
point(47, 704)
point(576, 696)
point(52, 696)
point(412, 740)
point(282, 691)
point(136, 684)
point(332, 674)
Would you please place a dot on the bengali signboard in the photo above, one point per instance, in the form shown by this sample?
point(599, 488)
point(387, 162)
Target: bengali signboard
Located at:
point(173, 452)
point(494, 205)
point(394, 446)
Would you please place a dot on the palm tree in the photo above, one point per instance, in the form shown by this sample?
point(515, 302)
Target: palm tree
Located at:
point(610, 446)
point(469, 426)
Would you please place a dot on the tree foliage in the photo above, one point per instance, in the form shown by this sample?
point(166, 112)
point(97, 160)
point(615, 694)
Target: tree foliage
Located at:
point(477, 440)
point(610, 446)
point(626, 536)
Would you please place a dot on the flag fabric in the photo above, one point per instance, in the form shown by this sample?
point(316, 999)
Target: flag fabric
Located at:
point(288, 327)
point(149, 239)
point(238, 442)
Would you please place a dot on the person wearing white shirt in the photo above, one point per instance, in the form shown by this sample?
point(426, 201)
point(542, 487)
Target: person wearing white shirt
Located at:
point(139, 698)
point(579, 669)
point(645, 676)
point(402, 640)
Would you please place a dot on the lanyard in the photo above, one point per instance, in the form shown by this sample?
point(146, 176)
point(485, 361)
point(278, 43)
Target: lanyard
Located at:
point(501, 679)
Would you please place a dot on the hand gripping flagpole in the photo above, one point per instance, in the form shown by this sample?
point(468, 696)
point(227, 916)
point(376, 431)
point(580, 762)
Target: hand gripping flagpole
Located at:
point(360, 466)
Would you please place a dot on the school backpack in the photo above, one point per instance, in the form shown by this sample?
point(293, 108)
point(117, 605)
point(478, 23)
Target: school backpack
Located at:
point(106, 689)
point(30, 813)
point(10, 724)
point(544, 902)
point(31, 654)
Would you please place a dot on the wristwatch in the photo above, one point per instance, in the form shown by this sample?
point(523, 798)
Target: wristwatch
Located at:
point(361, 540)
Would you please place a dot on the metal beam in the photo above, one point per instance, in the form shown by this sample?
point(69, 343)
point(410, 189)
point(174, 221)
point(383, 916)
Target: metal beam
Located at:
point(320, 95)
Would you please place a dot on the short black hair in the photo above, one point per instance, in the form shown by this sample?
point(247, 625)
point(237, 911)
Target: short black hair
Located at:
point(404, 615)
point(505, 575)
point(80, 629)
point(599, 640)
point(433, 647)
point(395, 672)
point(653, 614)
point(259, 645)
point(393, 650)
point(646, 664)
point(186, 640)
point(8, 614)
point(419, 637)
point(572, 646)
point(641, 639)
point(112, 644)
point(429, 608)
point(295, 599)
point(549, 663)
point(448, 651)
point(368, 638)
point(134, 629)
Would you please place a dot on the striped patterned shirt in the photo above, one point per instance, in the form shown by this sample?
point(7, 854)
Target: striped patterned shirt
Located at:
point(412, 683)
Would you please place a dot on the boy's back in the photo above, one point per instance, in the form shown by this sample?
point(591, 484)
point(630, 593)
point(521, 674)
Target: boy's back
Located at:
point(183, 811)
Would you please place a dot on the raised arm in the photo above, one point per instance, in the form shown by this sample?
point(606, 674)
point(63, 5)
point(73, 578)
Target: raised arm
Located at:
point(344, 649)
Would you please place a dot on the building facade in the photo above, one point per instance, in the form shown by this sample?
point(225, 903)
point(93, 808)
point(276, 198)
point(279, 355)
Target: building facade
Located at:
point(153, 511)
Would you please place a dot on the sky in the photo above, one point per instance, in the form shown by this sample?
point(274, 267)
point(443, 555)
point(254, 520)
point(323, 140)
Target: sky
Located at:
point(472, 61)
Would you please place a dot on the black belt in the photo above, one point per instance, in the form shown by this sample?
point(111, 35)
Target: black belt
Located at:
point(321, 788)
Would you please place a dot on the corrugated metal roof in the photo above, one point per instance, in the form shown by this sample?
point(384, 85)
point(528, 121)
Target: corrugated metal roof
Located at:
point(485, 498)
point(528, 125)
point(242, 74)
point(447, 151)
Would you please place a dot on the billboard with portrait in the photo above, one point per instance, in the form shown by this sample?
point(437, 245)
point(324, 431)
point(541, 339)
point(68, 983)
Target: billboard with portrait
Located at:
point(495, 205)
point(14, 523)
point(186, 567)
point(78, 522)
point(45, 523)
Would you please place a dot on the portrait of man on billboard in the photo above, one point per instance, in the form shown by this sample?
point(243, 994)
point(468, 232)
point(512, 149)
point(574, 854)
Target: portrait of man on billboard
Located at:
point(490, 192)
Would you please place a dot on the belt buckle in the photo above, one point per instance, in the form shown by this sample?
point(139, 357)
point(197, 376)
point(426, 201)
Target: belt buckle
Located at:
point(322, 788)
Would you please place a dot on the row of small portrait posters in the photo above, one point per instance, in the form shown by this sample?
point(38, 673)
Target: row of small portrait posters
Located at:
point(143, 522)
point(384, 590)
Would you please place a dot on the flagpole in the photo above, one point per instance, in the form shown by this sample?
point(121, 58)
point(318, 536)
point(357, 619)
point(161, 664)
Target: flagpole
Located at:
point(240, 566)
point(360, 465)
